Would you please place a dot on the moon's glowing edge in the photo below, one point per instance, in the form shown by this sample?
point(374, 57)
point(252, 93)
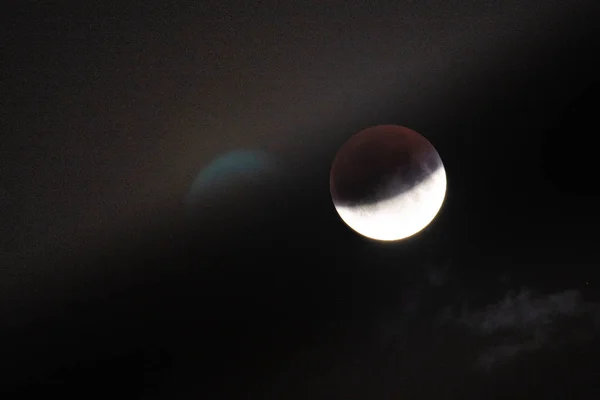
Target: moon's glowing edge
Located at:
point(402, 216)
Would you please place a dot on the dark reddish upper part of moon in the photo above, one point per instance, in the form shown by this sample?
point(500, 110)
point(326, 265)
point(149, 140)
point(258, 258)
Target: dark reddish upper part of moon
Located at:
point(381, 162)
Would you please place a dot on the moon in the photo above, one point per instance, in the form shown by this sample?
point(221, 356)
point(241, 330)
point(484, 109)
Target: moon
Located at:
point(387, 182)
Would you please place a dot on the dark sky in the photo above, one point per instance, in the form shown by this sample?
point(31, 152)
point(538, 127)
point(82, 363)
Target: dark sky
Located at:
point(107, 288)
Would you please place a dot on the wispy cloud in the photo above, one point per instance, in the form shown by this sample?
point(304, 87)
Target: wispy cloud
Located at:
point(523, 311)
point(519, 322)
point(523, 322)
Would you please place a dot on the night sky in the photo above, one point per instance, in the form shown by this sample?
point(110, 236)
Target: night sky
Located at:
point(113, 284)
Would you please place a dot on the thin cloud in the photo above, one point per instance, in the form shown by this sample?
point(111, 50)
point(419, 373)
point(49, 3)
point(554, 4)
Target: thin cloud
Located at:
point(502, 353)
point(523, 322)
point(520, 322)
point(523, 311)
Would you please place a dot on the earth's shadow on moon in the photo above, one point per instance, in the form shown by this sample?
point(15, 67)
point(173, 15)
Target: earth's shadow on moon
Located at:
point(381, 163)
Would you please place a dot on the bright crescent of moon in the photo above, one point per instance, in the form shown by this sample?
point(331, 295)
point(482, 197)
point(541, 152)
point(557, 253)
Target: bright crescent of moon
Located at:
point(402, 216)
point(388, 183)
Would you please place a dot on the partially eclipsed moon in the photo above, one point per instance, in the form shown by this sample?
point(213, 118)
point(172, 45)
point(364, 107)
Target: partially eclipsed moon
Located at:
point(387, 182)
